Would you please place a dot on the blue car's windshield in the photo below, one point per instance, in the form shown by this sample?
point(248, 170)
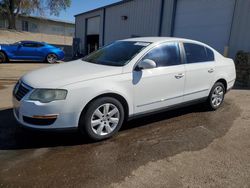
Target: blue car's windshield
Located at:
point(17, 43)
point(116, 54)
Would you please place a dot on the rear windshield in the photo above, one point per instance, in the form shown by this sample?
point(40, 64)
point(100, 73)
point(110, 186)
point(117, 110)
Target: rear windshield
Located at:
point(116, 54)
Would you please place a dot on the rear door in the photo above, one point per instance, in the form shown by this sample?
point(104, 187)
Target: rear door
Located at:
point(161, 86)
point(199, 67)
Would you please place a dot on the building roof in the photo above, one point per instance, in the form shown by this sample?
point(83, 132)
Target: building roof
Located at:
point(47, 19)
point(100, 8)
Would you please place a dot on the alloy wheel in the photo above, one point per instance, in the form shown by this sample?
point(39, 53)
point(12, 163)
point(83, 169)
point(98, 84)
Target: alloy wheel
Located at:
point(217, 96)
point(105, 119)
point(51, 58)
point(2, 58)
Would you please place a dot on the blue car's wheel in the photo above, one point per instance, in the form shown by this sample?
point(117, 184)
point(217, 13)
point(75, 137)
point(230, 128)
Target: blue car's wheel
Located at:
point(51, 58)
point(3, 57)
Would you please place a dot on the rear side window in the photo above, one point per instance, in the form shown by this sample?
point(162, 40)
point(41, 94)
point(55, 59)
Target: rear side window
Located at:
point(165, 55)
point(197, 53)
point(210, 54)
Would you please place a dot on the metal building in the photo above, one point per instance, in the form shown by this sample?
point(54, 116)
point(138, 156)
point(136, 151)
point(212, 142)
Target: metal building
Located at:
point(223, 24)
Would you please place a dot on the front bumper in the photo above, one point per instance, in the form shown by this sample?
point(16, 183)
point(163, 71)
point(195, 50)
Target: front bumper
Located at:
point(41, 116)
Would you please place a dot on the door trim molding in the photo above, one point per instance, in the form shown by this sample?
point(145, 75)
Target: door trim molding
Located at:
point(162, 100)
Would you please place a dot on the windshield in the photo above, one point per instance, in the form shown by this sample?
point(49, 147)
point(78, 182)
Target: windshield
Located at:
point(116, 54)
point(17, 43)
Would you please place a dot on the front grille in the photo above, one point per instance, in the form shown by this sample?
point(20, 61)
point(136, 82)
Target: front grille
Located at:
point(21, 90)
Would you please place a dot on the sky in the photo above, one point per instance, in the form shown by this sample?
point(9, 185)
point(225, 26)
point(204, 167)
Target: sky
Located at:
point(79, 6)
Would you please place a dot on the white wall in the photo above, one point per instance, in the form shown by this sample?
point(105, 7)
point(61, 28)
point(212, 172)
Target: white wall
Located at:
point(44, 26)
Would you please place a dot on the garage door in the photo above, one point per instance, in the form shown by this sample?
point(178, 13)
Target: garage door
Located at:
point(205, 20)
point(93, 26)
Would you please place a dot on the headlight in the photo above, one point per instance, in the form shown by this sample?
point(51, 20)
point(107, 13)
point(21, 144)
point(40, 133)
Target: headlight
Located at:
point(48, 95)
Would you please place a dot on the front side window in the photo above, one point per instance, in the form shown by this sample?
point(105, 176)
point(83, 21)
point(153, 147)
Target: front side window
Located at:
point(116, 54)
point(165, 55)
point(197, 53)
point(30, 45)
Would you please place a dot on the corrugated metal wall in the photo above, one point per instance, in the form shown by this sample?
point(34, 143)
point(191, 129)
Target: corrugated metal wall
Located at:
point(81, 29)
point(168, 17)
point(143, 20)
point(205, 20)
point(240, 34)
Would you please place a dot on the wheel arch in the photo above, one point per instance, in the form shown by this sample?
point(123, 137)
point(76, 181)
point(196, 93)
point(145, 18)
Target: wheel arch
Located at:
point(5, 54)
point(223, 81)
point(119, 97)
point(48, 53)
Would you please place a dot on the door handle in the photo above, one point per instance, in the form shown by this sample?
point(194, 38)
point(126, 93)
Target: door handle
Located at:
point(210, 70)
point(178, 76)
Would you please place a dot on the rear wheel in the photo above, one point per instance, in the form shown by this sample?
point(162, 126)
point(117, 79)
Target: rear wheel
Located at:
point(216, 96)
point(3, 57)
point(102, 119)
point(51, 58)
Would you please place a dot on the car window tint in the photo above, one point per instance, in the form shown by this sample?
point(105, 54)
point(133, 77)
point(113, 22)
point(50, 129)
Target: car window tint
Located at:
point(210, 55)
point(165, 55)
point(31, 45)
point(197, 53)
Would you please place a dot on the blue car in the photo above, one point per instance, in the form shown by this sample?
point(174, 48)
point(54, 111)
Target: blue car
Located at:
point(30, 51)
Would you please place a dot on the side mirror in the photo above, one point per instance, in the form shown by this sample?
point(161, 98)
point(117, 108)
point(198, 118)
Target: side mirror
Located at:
point(146, 64)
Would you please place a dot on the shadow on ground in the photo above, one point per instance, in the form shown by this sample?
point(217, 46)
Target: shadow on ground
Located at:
point(32, 158)
point(12, 136)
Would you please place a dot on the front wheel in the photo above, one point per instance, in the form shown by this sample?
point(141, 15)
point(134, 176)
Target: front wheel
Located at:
point(3, 58)
point(102, 119)
point(216, 96)
point(51, 58)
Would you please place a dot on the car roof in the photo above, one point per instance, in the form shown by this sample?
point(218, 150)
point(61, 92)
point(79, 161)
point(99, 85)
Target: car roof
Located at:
point(159, 39)
point(166, 39)
point(29, 41)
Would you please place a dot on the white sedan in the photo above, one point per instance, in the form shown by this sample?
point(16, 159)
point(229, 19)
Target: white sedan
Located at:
point(120, 81)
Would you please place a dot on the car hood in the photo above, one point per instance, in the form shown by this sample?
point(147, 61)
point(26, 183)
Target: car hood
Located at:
point(59, 75)
point(4, 45)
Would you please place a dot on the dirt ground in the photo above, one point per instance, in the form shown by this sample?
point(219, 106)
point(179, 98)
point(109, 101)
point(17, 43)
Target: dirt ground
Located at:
point(189, 147)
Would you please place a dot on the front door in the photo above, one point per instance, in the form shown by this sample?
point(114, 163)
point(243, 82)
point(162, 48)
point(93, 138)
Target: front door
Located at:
point(161, 86)
point(28, 51)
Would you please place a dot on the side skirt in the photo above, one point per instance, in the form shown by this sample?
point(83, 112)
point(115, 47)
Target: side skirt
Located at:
point(21, 60)
point(168, 108)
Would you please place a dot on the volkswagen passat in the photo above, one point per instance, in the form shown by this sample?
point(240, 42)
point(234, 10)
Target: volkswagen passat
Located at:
point(120, 81)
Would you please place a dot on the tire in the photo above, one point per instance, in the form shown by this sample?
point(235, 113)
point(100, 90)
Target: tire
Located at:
point(216, 96)
point(3, 58)
point(51, 58)
point(99, 124)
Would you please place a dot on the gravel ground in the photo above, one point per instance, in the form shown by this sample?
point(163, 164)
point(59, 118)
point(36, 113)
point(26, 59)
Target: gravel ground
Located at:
point(189, 147)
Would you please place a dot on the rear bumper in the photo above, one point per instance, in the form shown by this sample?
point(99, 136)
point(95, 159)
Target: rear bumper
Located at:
point(230, 85)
